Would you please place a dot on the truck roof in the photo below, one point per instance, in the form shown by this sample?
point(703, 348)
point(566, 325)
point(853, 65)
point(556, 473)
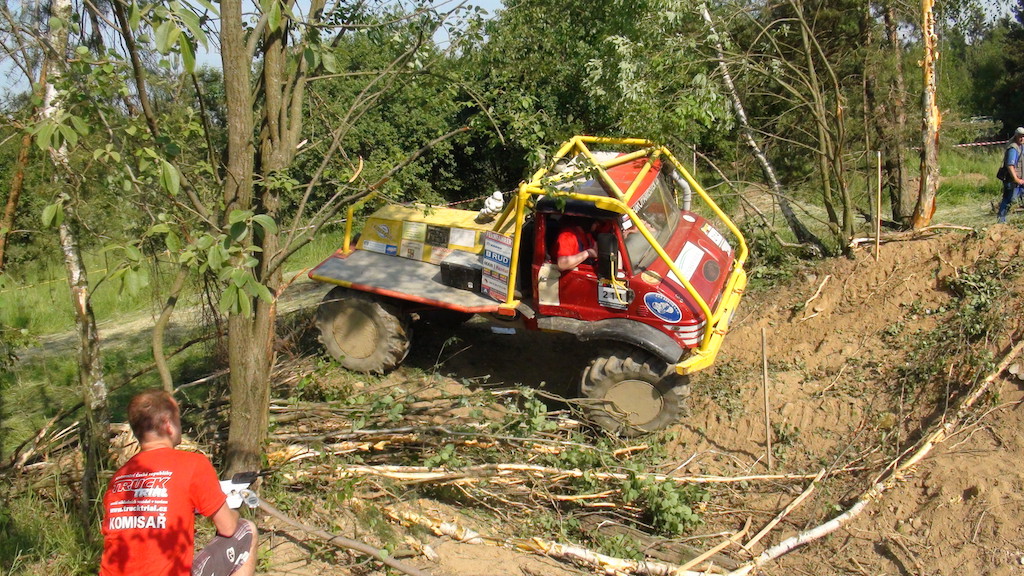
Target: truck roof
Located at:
point(630, 179)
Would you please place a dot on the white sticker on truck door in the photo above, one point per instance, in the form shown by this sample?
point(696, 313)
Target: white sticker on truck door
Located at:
point(687, 262)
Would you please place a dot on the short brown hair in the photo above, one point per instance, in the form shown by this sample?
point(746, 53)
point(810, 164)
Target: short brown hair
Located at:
point(148, 410)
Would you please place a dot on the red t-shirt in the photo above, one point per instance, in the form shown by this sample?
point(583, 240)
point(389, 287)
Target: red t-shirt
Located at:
point(149, 512)
point(571, 241)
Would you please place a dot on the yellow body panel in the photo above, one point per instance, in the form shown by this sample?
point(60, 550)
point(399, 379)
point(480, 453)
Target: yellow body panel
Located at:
point(427, 234)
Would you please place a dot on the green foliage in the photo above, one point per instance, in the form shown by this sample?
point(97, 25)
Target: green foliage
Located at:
point(956, 351)
point(669, 505)
point(619, 546)
point(529, 417)
point(769, 265)
point(978, 292)
point(444, 458)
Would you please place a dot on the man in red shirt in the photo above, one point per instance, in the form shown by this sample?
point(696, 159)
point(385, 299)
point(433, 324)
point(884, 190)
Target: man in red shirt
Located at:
point(576, 243)
point(150, 505)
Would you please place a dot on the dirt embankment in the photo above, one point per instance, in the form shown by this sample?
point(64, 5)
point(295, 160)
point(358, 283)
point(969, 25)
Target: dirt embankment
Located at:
point(839, 338)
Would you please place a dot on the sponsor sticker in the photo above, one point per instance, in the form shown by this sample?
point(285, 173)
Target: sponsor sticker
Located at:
point(662, 307)
point(716, 237)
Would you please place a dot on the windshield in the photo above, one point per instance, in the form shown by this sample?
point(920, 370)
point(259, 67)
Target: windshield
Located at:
point(657, 210)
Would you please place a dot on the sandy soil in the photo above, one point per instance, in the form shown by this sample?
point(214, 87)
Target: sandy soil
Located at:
point(834, 337)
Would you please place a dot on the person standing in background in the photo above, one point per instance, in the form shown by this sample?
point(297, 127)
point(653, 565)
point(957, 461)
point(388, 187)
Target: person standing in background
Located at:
point(1013, 170)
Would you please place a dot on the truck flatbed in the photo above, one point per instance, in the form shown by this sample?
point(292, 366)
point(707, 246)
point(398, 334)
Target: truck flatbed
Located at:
point(398, 277)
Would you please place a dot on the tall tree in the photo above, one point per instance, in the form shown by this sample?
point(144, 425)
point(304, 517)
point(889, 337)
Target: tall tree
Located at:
point(242, 242)
point(800, 231)
point(885, 103)
point(96, 428)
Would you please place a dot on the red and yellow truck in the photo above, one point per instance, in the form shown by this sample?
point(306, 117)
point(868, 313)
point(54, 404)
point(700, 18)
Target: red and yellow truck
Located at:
point(660, 294)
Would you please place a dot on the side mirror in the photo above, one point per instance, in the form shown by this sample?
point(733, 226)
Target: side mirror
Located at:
point(607, 255)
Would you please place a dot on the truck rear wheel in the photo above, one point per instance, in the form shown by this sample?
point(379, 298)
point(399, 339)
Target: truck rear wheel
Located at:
point(363, 332)
point(632, 392)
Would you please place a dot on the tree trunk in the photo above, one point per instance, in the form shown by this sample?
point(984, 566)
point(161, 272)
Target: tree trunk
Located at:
point(95, 432)
point(250, 337)
point(894, 165)
point(830, 131)
point(17, 182)
point(11, 206)
point(925, 208)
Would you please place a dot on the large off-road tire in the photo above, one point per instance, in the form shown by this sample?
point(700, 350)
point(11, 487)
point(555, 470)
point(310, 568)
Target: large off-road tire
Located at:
point(363, 332)
point(632, 392)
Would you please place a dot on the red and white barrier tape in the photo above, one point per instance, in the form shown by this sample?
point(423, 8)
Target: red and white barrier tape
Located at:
point(970, 144)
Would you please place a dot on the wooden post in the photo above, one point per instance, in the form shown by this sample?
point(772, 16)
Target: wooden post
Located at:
point(878, 204)
point(764, 382)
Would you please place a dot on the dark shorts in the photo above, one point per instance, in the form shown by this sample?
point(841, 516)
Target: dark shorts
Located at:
point(222, 556)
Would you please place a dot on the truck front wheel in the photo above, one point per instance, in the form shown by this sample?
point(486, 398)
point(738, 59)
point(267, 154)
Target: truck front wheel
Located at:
point(632, 392)
point(363, 332)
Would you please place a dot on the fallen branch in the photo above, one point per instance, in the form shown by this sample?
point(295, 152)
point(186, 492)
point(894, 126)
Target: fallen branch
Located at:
point(567, 552)
point(818, 291)
point(342, 542)
point(896, 474)
point(909, 234)
point(733, 539)
point(785, 512)
point(472, 473)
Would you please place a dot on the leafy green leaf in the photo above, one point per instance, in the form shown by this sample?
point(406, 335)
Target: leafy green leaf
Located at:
point(134, 16)
point(244, 305)
point(68, 134)
point(274, 16)
point(133, 253)
point(166, 36)
point(229, 300)
point(50, 215)
point(260, 291)
point(44, 136)
point(170, 180)
point(215, 257)
point(188, 56)
point(330, 62)
point(237, 216)
point(80, 125)
point(238, 232)
point(173, 242)
point(266, 222)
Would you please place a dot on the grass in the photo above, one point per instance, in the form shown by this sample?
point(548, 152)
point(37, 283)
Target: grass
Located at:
point(36, 299)
point(40, 535)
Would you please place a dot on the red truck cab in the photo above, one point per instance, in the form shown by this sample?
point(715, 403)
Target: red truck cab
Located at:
point(662, 271)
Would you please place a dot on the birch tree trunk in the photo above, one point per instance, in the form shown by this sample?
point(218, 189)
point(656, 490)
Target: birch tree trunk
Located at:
point(95, 430)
